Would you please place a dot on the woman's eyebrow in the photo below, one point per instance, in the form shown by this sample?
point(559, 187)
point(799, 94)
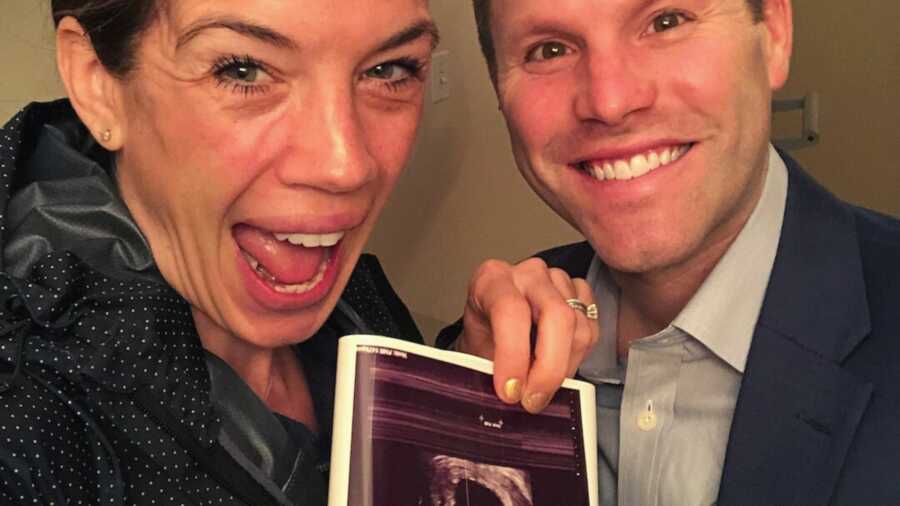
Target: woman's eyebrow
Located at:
point(424, 28)
point(255, 31)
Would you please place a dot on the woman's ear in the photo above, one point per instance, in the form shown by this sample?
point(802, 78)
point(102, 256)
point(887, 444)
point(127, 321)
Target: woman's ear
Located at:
point(95, 93)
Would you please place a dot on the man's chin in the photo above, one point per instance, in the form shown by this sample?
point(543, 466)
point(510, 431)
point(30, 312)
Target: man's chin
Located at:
point(645, 257)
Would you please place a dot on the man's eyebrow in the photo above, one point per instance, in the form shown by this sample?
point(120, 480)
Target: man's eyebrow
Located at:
point(421, 29)
point(530, 27)
point(255, 31)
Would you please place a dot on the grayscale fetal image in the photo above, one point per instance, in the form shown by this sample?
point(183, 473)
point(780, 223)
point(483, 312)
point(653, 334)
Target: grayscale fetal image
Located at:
point(456, 481)
point(429, 433)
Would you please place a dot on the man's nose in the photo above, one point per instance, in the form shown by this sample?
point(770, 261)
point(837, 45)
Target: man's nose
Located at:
point(613, 85)
point(330, 148)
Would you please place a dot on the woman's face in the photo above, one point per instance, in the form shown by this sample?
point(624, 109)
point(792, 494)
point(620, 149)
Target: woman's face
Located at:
point(261, 139)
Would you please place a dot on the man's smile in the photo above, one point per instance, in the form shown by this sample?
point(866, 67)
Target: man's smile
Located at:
point(623, 168)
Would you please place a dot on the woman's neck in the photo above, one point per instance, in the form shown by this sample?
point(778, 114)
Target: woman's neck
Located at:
point(275, 375)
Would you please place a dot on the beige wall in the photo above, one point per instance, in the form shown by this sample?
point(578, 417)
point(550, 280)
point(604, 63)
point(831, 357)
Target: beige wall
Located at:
point(27, 51)
point(462, 200)
point(849, 51)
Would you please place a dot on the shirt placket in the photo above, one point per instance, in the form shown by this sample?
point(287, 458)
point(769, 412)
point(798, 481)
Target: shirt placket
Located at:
point(647, 413)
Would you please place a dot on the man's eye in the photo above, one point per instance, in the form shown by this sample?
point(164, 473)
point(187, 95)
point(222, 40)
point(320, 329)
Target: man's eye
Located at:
point(548, 51)
point(667, 21)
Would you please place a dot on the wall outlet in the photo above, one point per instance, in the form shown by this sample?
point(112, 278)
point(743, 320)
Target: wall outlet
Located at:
point(440, 76)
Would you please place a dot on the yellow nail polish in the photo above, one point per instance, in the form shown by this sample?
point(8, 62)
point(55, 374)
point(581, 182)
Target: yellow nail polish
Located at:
point(534, 403)
point(513, 390)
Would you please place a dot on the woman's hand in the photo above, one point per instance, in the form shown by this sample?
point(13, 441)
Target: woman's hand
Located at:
point(505, 302)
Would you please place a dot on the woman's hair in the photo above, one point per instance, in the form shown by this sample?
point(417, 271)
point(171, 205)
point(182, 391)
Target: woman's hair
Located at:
point(113, 26)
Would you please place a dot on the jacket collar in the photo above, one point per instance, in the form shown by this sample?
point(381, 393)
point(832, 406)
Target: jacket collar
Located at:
point(90, 326)
point(797, 408)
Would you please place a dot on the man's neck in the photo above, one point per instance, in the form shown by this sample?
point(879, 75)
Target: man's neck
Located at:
point(650, 301)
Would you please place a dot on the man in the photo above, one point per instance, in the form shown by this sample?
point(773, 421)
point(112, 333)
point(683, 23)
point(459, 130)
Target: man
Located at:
point(755, 312)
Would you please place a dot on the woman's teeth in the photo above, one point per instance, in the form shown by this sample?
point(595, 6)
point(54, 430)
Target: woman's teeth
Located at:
point(636, 166)
point(283, 288)
point(311, 240)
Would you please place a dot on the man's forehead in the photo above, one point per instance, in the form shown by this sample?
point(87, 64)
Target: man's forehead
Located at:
point(504, 9)
point(518, 11)
point(516, 16)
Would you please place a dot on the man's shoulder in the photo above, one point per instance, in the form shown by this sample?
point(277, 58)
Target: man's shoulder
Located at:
point(574, 258)
point(814, 211)
point(879, 248)
point(877, 230)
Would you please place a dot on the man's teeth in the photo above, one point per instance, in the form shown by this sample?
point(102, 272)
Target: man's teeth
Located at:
point(282, 288)
point(311, 240)
point(636, 166)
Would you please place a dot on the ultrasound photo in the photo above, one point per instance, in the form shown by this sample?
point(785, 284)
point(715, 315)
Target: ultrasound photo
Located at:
point(456, 481)
point(430, 433)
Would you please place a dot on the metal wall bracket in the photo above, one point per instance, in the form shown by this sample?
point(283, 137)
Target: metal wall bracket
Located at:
point(809, 134)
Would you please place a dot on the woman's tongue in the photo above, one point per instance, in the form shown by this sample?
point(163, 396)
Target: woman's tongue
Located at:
point(287, 263)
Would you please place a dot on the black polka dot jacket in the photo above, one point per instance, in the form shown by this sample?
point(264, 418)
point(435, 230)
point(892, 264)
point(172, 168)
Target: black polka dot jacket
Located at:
point(105, 391)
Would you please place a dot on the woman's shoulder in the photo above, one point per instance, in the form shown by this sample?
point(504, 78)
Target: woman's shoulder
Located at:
point(371, 295)
point(46, 452)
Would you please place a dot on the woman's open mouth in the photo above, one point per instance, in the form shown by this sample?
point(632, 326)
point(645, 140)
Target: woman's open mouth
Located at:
point(293, 265)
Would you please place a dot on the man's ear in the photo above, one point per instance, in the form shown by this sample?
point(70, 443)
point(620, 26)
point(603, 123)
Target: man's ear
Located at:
point(778, 20)
point(95, 93)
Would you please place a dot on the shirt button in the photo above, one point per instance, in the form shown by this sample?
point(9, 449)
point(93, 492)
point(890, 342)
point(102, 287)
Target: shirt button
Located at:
point(646, 421)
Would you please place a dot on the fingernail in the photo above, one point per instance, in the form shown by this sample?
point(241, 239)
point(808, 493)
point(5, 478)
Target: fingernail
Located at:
point(534, 403)
point(513, 390)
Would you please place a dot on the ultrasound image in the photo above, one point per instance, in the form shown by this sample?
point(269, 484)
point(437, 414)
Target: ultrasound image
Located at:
point(461, 482)
point(435, 434)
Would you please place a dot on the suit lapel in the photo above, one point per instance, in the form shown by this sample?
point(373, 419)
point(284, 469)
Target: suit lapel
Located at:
point(798, 409)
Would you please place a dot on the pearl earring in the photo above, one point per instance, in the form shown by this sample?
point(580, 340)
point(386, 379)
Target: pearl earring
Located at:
point(107, 135)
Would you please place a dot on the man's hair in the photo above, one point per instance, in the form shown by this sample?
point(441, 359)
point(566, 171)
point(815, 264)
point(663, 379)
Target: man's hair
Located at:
point(483, 21)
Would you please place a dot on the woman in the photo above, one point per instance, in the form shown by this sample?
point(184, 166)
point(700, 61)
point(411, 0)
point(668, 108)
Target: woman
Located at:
point(173, 231)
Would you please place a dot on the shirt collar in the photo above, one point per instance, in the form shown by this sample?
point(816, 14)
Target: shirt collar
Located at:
point(602, 365)
point(721, 323)
point(724, 323)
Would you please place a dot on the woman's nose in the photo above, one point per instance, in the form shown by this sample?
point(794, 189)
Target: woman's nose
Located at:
point(331, 150)
point(612, 88)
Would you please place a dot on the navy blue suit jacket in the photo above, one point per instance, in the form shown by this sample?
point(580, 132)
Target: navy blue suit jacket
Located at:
point(817, 420)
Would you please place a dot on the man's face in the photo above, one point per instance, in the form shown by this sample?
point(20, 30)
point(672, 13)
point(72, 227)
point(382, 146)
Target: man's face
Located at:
point(643, 123)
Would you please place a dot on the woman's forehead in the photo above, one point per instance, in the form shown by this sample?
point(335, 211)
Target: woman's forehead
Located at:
point(298, 17)
point(355, 26)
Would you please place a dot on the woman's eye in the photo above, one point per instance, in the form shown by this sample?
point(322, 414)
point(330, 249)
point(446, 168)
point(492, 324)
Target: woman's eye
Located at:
point(242, 74)
point(667, 21)
point(388, 72)
point(395, 74)
point(548, 51)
